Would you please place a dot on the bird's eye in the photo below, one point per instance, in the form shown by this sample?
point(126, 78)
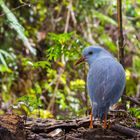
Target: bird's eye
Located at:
point(90, 53)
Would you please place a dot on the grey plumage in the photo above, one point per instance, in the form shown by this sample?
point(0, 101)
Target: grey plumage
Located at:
point(105, 80)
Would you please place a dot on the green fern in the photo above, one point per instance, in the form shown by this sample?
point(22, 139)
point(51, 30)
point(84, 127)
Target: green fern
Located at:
point(14, 24)
point(3, 56)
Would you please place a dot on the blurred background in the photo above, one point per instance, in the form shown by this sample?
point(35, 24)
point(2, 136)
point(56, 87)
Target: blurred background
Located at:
point(40, 42)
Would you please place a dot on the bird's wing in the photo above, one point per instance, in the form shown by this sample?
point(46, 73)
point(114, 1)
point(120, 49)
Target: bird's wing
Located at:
point(106, 80)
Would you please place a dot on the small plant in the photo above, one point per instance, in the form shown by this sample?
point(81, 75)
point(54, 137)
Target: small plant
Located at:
point(135, 113)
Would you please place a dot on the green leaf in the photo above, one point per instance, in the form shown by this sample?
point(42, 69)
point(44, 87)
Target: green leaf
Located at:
point(3, 56)
point(14, 24)
point(135, 112)
point(103, 18)
point(42, 64)
point(61, 38)
point(4, 69)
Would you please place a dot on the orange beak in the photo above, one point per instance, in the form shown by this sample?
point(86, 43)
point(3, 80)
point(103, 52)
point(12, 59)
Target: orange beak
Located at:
point(82, 59)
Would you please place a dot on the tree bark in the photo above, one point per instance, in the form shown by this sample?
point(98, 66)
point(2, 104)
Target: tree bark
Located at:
point(11, 128)
point(121, 40)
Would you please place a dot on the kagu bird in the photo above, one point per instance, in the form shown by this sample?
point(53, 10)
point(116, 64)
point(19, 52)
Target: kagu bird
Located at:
point(105, 80)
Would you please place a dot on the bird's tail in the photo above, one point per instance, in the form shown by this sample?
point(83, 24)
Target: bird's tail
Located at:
point(99, 111)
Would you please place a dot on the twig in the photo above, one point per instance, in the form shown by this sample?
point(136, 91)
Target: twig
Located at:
point(89, 32)
point(14, 9)
point(68, 18)
point(85, 123)
point(120, 32)
point(127, 115)
point(124, 130)
point(66, 125)
point(70, 13)
point(72, 138)
point(55, 90)
point(135, 101)
point(120, 39)
point(86, 94)
point(73, 16)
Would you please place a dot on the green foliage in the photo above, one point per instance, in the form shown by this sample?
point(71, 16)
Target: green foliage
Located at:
point(103, 18)
point(136, 64)
point(64, 44)
point(13, 23)
point(5, 69)
point(30, 82)
point(135, 113)
point(78, 84)
point(5, 55)
point(41, 113)
point(131, 84)
point(27, 104)
point(31, 101)
point(42, 64)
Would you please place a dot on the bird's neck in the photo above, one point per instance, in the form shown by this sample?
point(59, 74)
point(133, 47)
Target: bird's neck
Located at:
point(97, 57)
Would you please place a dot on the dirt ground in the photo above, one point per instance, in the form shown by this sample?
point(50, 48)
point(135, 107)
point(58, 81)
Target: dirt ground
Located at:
point(121, 126)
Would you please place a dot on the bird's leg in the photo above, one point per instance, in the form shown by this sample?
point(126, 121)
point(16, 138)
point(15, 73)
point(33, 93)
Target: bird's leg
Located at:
point(105, 121)
point(91, 120)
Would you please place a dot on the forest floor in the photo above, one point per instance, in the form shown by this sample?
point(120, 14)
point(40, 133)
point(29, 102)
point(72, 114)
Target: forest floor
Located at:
point(121, 126)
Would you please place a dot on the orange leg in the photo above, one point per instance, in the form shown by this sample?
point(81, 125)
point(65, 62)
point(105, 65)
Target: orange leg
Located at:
point(91, 120)
point(105, 121)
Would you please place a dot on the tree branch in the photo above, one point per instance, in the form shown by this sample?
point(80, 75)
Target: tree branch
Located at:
point(120, 40)
point(14, 9)
point(135, 101)
point(120, 32)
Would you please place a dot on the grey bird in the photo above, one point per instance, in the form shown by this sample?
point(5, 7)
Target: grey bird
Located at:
point(105, 80)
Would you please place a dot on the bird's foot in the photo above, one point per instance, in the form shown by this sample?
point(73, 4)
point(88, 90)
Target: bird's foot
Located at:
point(105, 125)
point(91, 121)
point(91, 125)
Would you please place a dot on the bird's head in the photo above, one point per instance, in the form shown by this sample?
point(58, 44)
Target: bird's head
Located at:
point(92, 53)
